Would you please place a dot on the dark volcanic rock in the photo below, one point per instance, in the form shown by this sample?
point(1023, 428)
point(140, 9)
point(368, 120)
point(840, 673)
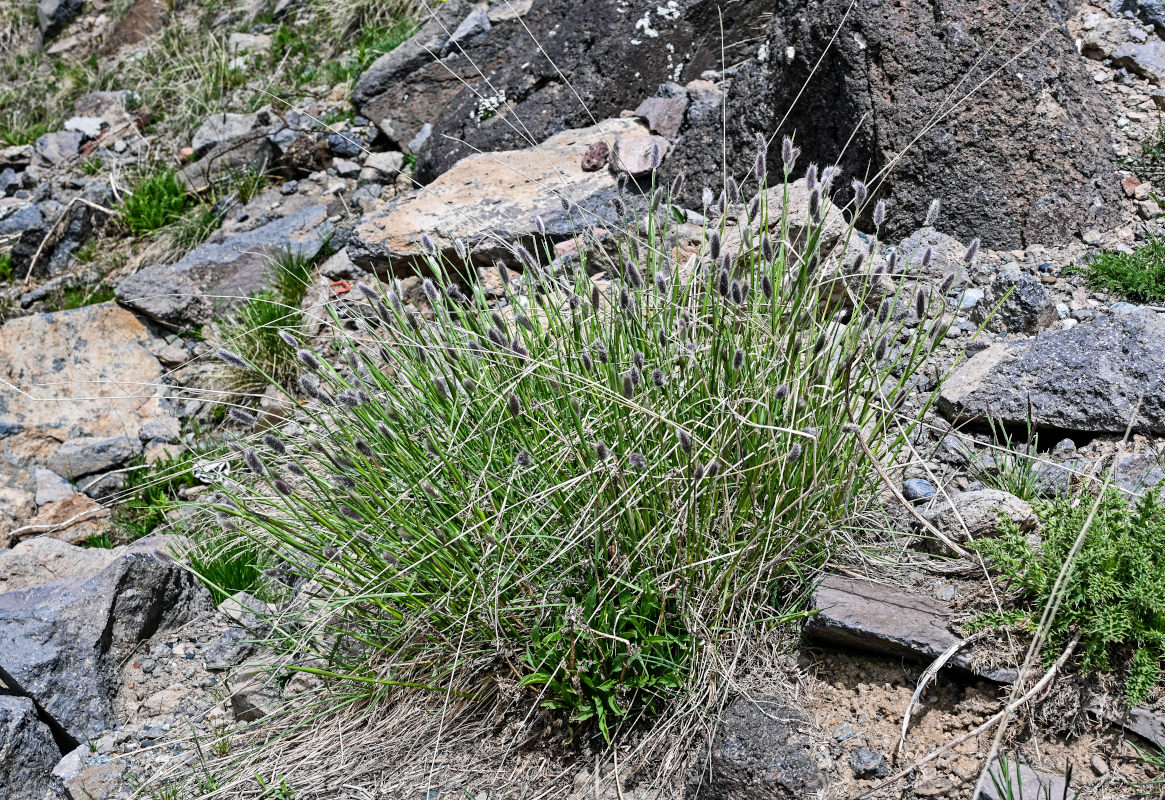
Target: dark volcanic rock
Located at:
point(63, 643)
point(54, 15)
point(1016, 302)
point(762, 752)
point(27, 752)
point(1087, 378)
point(1026, 158)
point(614, 59)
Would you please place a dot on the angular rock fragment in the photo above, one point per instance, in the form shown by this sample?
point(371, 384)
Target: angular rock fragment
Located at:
point(27, 752)
point(866, 615)
point(1088, 378)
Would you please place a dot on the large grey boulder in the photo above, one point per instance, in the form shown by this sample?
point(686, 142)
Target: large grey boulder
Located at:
point(63, 643)
point(27, 752)
point(166, 295)
point(614, 60)
point(762, 751)
point(1016, 302)
point(1019, 154)
point(1088, 378)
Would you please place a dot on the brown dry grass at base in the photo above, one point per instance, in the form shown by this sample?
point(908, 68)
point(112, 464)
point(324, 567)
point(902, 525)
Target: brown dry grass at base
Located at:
point(871, 694)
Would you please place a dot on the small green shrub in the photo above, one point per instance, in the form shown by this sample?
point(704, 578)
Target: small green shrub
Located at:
point(150, 491)
point(1139, 275)
point(5, 266)
point(597, 497)
point(157, 201)
point(1116, 595)
point(78, 296)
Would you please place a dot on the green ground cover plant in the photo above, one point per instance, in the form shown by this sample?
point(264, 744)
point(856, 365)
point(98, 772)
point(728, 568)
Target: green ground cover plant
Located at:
point(596, 497)
point(1139, 275)
point(158, 199)
point(1115, 597)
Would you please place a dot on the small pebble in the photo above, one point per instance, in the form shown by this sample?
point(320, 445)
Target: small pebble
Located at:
point(867, 764)
point(917, 489)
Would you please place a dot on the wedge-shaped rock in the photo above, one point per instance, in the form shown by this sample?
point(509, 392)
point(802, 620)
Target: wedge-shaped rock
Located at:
point(63, 643)
point(1088, 378)
point(491, 200)
point(869, 616)
point(27, 753)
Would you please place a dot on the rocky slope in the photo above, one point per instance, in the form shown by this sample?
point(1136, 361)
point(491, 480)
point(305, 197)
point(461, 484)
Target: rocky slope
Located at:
point(468, 131)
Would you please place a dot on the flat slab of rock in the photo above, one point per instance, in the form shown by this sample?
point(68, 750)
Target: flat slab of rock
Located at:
point(225, 271)
point(43, 559)
point(1087, 378)
point(84, 373)
point(866, 615)
point(493, 200)
point(63, 643)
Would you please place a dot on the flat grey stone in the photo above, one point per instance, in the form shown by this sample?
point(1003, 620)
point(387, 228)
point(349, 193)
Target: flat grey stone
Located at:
point(861, 614)
point(162, 293)
point(59, 147)
point(1088, 378)
point(88, 455)
point(51, 487)
point(1147, 60)
point(1025, 783)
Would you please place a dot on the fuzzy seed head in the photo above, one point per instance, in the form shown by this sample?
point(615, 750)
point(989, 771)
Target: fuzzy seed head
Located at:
point(811, 177)
point(637, 461)
point(738, 359)
point(920, 302)
point(595, 297)
point(766, 287)
point(932, 213)
point(880, 213)
point(428, 244)
point(253, 462)
point(628, 385)
point(660, 282)
point(927, 255)
point(880, 350)
point(815, 206)
point(295, 469)
point(283, 488)
point(242, 417)
point(795, 452)
point(364, 448)
point(309, 359)
point(734, 293)
point(275, 444)
point(233, 359)
point(781, 392)
point(714, 245)
point(884, 311)
point(540, 225)
point(788, 154)
point(587, 362)
point(860, 193)
point(733, 189)
point(948, 280)
point(288, 339)
point(706, 196)
point(685, 440)
point(601, 451)
point(722, 283)
point(972, 251)
point(514, 405)
point(657, 377)
point(620, 207)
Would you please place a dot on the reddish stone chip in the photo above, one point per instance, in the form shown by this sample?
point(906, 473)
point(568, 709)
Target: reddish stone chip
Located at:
point(595, 158)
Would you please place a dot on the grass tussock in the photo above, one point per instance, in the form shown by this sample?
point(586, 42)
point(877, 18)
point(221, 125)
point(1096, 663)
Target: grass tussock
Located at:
point(261, 328)
point(597, 498)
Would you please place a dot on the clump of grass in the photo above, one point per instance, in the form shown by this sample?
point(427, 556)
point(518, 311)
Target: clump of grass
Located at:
point(227, 566)
point(1115, 597)
point(158, 200)
point(192, 228)
point(1139, 275)
point(148, 494)
point(595, 499)
point(79, 296)
point(258, 328)
point(5, 266)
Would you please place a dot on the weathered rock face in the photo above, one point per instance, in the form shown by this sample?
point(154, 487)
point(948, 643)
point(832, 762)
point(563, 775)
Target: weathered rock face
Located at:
point(1016, 302)
point(166, 295)
point(78, 377)
point(63, 643)
point(1024, 159)
point(762, 752)
point(27, 752)
point(979, 514)
point(492, 200)
point(614, 60)
point(1088, 378)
